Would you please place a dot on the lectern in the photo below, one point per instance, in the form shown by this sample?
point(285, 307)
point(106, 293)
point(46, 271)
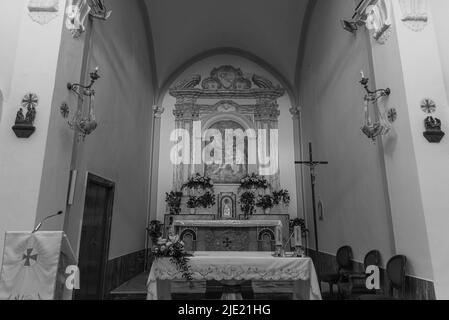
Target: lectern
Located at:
point(38, 266)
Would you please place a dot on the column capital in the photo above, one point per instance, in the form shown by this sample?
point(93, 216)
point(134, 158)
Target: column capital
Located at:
point(296, 112)
point(158, 111)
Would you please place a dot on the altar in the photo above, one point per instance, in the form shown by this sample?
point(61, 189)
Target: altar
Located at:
point(229, 235)
point(252, 266)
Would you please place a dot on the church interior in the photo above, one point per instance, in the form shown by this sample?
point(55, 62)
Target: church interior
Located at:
point(272, 149)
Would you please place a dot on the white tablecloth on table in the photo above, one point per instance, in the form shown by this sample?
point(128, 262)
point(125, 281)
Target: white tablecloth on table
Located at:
point(227, 223)
point(258, 266)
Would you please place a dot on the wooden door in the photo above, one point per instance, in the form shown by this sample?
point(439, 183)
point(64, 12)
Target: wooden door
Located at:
point(95, 235)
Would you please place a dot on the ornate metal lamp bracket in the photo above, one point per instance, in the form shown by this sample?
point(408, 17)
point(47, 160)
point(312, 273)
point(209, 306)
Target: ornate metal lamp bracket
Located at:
point(85, 91)
point(373, 96)
point(84, 125)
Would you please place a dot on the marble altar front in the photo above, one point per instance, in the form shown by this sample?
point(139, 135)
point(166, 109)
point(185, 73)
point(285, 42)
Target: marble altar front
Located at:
point(229, 235)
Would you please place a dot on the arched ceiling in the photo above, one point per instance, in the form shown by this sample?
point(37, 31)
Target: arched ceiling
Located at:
point(269, 29)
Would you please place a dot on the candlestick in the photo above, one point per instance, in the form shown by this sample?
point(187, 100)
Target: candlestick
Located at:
point(278, 236)
point(297, 240)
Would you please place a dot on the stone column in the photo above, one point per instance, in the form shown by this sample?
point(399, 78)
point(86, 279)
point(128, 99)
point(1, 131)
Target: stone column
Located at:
point(266, 117)
point(296, 117)
point(157, 114)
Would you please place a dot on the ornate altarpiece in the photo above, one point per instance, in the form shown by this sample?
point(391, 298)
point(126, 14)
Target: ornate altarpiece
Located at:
point(216, 102)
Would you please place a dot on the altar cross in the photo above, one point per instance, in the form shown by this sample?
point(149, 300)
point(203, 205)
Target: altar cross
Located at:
point(312, 165)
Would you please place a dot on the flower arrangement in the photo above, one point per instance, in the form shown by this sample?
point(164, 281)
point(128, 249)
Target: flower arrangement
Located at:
point(281, 196)
point(301, 223)
point(173, 200)
point(155, 230)
point(193, 202)
point(173, 248)
point(207, 200)
point(254, 181)
point(247, 203)
point(265, 202)
point(198, 182)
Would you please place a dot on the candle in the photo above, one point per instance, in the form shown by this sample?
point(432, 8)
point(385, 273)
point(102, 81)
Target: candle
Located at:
point(363, 74)
point(278, 236)
point(297, 237)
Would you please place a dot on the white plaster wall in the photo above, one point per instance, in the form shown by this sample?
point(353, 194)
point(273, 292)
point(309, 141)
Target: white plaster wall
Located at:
point(423, 77)
point(27, 64)
point(119, 149)
point(352, 187)
point(439, 10)
point(286, 144)
point(9, 31)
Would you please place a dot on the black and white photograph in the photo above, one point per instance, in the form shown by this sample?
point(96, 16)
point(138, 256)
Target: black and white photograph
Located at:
point(220, 157)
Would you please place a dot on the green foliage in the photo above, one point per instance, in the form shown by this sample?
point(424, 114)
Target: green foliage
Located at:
point(281, 196)
point(254, 181)
point(265, 202)
point(173, 200)
point(247, 203)
point(173, 248)
point(198, 182)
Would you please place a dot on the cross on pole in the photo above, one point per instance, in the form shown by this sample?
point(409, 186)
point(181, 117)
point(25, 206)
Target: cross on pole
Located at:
point(312, 165)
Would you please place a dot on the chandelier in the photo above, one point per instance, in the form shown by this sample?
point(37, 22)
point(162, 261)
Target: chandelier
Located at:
point(83, 124)
point(381, 126)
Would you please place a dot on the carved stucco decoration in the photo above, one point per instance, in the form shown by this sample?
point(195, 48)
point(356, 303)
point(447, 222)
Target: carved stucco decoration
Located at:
point(225, 82)
point(379, 20)
point(43, 11)
point(77, 12)
point(414, 14)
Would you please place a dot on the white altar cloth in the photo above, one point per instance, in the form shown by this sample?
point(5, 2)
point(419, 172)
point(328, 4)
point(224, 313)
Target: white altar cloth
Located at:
point(259, 266)
point(227, 223)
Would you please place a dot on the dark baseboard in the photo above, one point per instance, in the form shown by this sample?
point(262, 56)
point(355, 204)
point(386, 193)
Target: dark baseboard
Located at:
point(415, 289)
point(122, 269)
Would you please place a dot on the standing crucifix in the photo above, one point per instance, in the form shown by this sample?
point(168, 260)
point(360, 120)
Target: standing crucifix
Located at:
point(312, 165)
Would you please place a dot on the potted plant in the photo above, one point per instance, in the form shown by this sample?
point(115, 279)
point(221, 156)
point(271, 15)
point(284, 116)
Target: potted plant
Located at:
point(173, 200)
point(282, 196)
point(192, 204)
point(266, 203)
point(207, 200)
point(198, 182)
point(247, 203)
point(254, 181)
point(155, 230)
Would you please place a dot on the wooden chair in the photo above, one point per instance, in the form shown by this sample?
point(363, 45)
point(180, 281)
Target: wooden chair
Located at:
point(396, 279)
point(344, 261)
point(355, 283)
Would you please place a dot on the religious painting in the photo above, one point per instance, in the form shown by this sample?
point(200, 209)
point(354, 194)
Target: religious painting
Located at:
point(227, 173)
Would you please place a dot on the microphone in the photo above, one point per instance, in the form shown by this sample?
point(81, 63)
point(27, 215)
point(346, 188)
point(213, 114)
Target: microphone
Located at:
point(45, 219)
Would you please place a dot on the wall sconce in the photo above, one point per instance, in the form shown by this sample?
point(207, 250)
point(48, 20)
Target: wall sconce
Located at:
point(24, 127)
point(83, 125)
point(433, 132)
point(359, 17)
point(381, 127)
point(99, 10)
